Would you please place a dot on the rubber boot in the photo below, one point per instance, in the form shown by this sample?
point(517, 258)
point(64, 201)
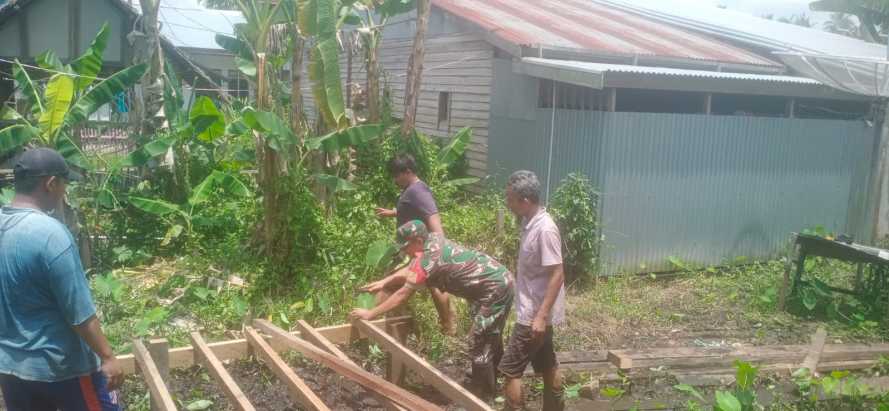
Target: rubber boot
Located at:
point(553, 399)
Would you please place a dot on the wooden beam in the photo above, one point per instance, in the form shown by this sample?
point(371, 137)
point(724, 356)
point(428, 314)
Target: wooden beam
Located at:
point(350, 371)
point(181, 357)
point(159, 349)
point(296, 387)
point(428, 373)
point(313, 336)
point(708, 103)
point(814, 356)
point(612, 99)
point(395, 370)
point(156, 387)
point(203, 354)
point(620, 360)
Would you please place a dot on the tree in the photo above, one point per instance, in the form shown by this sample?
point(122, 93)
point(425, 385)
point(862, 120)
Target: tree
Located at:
point(873, 16)
point(221, 4)
point(841, 23)
point(415, 69)
point(147, 46)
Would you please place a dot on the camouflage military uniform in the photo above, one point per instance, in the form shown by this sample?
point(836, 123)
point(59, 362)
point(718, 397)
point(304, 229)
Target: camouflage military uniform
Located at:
point(478, 278)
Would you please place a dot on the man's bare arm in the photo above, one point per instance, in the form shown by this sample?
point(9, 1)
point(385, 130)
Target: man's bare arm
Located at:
point(556, 280)
point(435, 224)
point(91, 332)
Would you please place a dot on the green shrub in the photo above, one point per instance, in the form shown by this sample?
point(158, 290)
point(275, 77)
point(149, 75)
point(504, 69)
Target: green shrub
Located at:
point(574, 206)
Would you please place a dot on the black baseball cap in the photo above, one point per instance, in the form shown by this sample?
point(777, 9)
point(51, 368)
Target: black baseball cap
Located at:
point(43, 162)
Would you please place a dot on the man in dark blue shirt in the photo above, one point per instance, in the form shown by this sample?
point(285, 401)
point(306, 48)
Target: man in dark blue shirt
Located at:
point(415, 203)
point(53, 354)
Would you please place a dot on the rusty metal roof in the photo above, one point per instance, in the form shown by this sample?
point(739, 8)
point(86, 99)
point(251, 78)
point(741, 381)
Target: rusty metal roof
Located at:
point(594, 27)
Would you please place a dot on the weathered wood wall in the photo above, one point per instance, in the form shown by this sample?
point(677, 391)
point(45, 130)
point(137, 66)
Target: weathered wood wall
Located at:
point(458, 64)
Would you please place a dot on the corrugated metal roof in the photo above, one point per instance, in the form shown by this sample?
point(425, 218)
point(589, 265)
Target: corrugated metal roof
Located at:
point(594, 27)
point(600, 68)
point(748, 29)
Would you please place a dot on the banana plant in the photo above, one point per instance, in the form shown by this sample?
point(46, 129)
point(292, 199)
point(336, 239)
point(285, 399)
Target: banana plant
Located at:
point(69, 97)
point(179, 216)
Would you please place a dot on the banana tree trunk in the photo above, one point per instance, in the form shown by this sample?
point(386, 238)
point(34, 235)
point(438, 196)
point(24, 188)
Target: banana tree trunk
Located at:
point(415, 70)
point(152, 83)
point(373, 77)
point(296, 72)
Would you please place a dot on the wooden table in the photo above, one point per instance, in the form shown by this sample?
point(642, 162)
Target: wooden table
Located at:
point(871, 278)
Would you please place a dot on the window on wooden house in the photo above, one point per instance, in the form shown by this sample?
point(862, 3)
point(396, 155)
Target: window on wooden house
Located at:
point(238, 86)
point(444, 109)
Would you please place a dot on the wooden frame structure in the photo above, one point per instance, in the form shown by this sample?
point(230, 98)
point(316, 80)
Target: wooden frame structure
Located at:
point(315, 344)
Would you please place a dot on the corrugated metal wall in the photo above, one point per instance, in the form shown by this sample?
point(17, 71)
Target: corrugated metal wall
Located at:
point(704, 189)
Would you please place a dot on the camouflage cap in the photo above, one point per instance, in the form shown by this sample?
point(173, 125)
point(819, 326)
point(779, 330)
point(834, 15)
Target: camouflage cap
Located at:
point(410, 229)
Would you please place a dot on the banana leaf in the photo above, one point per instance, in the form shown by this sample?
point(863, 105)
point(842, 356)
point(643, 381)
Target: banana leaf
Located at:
point(15, 136)
point(217, 179)
point(59, 93)
point(352, 136)
point(49, 60)
point(334, 183)
point(456, 147)
point(73, 155)
point(234, 46)
point(142, 155)
point(319, 93)
point(173, 103)
point(207, 121)
point(328, 50)
point(89, 64)
point(104, 92)
point(154, 206)
point(391, 8)
point(308, 17)
point(24, 83)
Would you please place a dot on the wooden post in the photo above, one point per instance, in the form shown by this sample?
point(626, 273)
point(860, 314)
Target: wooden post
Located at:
point(159, 348)
point(395, 368)
point(612, 99)
point(708, 104)
point(814, 356)
point(415, 70)
point(159, 394)
point(791, 108)
point(350, 371)
point(296, 387)
point(432, 376)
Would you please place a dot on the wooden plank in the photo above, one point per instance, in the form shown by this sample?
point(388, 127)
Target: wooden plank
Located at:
point(620, 359)
point(814, 356)
point(350, 371)
point(203, 354)
point(395, 367)
point(313, 336)
point(428, 373)
point(159, 348)
point(156, 386)
point(296, 387)
point(181, 357)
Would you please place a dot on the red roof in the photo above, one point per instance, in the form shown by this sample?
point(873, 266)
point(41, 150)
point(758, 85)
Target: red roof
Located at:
point(595, 27)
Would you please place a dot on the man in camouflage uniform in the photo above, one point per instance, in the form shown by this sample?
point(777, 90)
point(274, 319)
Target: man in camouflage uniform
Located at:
point(437, 262)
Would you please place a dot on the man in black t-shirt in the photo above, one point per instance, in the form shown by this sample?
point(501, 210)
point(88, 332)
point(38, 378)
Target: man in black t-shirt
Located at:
point(416, 203)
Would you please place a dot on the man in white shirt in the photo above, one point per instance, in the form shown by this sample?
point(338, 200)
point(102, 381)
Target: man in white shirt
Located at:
point(540, 296)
